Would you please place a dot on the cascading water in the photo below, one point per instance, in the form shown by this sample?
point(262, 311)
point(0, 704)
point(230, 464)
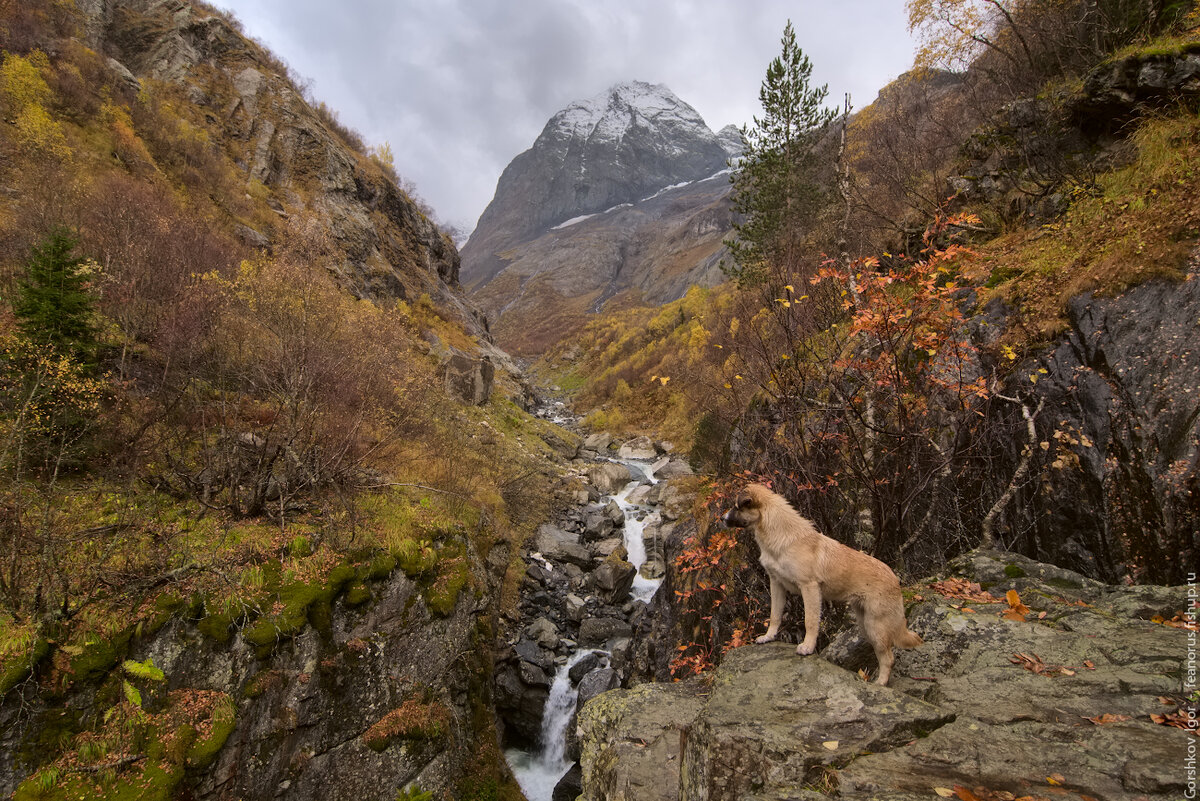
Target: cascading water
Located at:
point(539, 772)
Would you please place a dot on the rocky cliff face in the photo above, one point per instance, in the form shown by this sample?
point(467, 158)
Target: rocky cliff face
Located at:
point(386, 247)
point(619, 193)
point(371, 688)
point(1069, 700)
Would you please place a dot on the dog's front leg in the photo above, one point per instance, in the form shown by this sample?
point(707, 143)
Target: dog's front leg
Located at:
point(811, 591)
point(778, 601)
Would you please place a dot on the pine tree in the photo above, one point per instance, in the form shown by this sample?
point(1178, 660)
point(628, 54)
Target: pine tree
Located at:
point(53, 306)
point(775, 188)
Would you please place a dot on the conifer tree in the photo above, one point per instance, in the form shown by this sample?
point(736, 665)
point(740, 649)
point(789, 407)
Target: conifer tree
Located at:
point(775, 188)
point(53, 306)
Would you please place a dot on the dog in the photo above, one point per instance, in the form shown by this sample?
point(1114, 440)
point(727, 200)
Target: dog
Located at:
point(801, 560)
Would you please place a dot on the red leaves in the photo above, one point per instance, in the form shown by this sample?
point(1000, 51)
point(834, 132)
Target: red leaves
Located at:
point(1183, 717)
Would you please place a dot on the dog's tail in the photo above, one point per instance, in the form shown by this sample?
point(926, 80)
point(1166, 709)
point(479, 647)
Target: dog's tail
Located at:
point(909, 639)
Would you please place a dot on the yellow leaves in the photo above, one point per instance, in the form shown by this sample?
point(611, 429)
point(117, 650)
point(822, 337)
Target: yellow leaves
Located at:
point(830, 745)
point(21, 82)
point(1008, 353)
point(787, 304)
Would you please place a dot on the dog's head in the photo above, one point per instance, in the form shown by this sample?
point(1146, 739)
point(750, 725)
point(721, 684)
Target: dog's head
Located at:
point(747, 507)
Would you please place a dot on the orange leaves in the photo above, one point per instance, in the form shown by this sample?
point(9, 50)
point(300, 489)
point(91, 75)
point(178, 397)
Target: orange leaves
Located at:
point(1107, 718)
point(1177, 622)
point(1016, 610)
point(1183, 717)
point(1034, 664)
point(963, 589)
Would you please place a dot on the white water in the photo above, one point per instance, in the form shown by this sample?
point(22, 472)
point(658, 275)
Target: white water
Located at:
point(538, 773)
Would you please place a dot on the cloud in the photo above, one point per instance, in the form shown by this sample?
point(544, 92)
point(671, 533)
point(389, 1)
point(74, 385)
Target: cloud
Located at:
point(460, 87)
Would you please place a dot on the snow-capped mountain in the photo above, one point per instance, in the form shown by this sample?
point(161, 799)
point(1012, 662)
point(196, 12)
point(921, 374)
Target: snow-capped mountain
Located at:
point(621, 146)
point(622, 198)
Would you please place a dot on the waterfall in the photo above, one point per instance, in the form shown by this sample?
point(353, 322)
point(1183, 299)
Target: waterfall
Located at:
point(538, 772)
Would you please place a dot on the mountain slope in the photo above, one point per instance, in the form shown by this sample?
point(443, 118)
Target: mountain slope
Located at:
point(622, 198)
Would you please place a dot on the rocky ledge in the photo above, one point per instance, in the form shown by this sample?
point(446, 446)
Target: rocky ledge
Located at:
point(1067, 690)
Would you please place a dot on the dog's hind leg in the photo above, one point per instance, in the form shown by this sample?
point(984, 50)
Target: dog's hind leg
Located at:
point(880, 638)
point(778, 601)
point(812, 617)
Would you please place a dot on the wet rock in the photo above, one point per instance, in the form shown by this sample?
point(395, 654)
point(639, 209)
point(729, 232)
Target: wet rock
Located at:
point(598, 630)
point(609, 477)
point(613, 579)
point(614, 512)
point(569, 786)
point(533, 653)
point(584, 666)
point(599, 680)
point(644, 495)
point(638, 448)
point(532, 675)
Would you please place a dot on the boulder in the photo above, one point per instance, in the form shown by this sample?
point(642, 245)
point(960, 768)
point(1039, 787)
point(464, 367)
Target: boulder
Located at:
point(598, 442)
point(531, 652)
point(597, 525)
point(674, 502)
point(586, 664)
point(614, 512)
point(544, 632)
point(575, 607)
point(613, 579)
point(598, 630)
point(599, 680)
point(532, 675)
point(674, 468)
point(603, 548)
point(468, 378)
point(638, 448)
point(559, 546)
point(609, 477)
point(570, 786)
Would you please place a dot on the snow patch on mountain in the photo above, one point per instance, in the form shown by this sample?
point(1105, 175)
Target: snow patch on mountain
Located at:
point(609, 115)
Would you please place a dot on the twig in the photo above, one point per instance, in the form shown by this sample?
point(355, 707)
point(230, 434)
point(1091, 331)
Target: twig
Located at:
point(989, 522)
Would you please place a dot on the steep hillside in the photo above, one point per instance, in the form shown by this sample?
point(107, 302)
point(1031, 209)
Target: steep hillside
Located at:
point(262, 477)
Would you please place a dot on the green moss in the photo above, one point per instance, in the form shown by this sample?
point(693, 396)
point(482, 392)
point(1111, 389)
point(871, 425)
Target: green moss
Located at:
point(381, 567)
point(219, 627)
point(415, 558)
point(204, 750)
point(22, 668)
point(453, 574)
point(100, 656)
point(357, 595)
point(1014, 571)
point(303, 603)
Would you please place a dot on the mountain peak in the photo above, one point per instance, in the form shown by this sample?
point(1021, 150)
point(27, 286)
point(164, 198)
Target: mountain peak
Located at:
point(611, 113)
point(619, 146)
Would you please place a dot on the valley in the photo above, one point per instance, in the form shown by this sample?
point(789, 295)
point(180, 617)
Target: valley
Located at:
point(298, 499)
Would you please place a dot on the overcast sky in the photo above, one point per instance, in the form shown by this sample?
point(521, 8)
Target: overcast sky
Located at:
point(460, 87)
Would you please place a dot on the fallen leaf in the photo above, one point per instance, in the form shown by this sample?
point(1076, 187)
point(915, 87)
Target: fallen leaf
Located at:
point(1106, 718)
point(832, 745)
point(964, 794)
point(1055, 778)
point(944, 792)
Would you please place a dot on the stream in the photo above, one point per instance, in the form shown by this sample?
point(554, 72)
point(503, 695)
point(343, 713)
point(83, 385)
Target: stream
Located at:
point(538, 772)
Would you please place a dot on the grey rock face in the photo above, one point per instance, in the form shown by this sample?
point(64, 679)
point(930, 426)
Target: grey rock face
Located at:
point(618, 147)
point(985, 702)
point(609, 477)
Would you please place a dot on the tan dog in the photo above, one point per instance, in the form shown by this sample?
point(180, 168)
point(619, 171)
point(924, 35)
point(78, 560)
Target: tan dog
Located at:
point(801, 560)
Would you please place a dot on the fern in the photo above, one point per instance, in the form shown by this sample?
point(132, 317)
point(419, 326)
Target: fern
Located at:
point(143, 670)
point(132, 694)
